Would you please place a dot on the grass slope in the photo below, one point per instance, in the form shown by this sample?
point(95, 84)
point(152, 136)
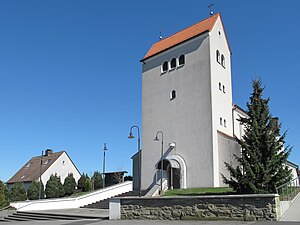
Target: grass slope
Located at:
point(200, 191)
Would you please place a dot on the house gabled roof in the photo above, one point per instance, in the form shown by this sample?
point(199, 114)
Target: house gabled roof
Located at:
point(184, 35)
point(31, 170)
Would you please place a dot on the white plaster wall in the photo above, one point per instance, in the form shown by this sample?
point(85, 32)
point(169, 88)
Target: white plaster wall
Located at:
point(221, 102)
point(68, 203)
point(185, 120)
point(238, 127)
point(62, 167)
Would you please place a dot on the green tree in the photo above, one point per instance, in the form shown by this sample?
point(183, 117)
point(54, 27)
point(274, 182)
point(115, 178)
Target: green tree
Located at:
point(33, 191)
point(81, 181)
point(54, 188)
point(3, 195)
point(262, 162)
point(17, 193)
point(87, 184)
point(97, 180)
point(69, 184)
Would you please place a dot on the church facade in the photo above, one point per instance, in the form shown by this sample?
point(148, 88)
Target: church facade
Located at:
point(187, 105)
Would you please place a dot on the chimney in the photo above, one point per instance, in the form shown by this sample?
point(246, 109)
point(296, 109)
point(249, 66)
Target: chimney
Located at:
point(48, 152)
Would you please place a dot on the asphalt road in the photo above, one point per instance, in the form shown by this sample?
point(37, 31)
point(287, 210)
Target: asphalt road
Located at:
point(148, 222)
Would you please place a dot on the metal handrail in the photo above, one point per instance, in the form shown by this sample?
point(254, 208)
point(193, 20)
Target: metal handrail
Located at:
point(288, 190)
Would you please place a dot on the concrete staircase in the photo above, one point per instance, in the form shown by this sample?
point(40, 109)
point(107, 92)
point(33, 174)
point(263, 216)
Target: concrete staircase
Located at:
point(55, 215)
point(104, 204)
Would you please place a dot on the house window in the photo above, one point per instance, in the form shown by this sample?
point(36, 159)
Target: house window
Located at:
point(223, 60)
point(164, 67)
point(64, 163)
point(47, 161)
point(223, 88)
point(221, 121)
point(218, 56)
point(224, 123)
point(173, 63)
point(172, 95)
point(220, 86)
point(181, 60)
point(29, 164)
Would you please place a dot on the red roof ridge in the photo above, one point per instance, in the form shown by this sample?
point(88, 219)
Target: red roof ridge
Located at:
point(183, 35)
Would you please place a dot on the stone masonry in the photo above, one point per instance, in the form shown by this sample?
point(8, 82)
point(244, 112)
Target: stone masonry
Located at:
point(225, 207)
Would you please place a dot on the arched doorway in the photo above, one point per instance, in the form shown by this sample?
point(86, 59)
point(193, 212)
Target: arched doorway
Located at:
point(174, 170)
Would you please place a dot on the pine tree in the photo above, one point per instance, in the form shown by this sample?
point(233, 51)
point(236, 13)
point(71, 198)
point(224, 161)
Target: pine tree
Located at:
point(33, 191)
point(262, 165)
point(69, 184)
point(97, 180)
point(81, 181)
point(17, 193)
point(87, 184)
point(3, 195)
point(54, 187)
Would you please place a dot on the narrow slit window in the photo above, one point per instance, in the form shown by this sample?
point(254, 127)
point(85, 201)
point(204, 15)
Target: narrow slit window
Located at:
point(173, 63)
point(218, 56)
point(223, 60)
point(221, 121)
point(223, 88)
point(181, 60)
point(165, 67)
point(220, 86)
point(224, 123)
point(173, 95)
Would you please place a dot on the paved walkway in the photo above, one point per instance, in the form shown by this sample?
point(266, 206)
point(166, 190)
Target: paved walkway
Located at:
point(293, 213)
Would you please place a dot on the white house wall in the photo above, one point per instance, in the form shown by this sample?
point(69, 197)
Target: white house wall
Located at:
point(221, 102)
point(62, 167)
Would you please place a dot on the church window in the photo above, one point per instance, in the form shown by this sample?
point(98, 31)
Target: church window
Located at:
point(181, 60)
point(172, 95)
point(165, 67)
point(223, 88)
point(173, 63)
point(224, 123)
point(220, 86)
point(218, 56)
point(221, 121)
point(223, 60)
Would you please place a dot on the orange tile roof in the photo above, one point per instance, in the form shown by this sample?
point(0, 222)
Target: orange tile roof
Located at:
point(181, 36)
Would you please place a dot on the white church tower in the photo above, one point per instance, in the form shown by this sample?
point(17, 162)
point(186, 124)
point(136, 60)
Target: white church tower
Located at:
point(187, 95)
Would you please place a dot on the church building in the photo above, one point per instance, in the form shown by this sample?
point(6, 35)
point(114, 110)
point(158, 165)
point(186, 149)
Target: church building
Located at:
point(187, 108)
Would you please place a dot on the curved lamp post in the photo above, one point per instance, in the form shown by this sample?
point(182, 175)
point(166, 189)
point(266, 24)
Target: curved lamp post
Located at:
point(139, 155)
point(161, 157)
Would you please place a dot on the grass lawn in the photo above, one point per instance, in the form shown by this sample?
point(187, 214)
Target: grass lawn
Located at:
point(200, 191)
point(78, 194)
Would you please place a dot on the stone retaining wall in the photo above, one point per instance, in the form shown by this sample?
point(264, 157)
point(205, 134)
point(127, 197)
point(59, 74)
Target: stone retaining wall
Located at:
point(225, 207)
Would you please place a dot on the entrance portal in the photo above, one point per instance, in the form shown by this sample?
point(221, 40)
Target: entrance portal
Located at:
point(174, 171)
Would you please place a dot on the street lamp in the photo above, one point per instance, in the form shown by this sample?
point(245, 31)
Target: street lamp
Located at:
point(139, 155)
point(161, 157)
point(104, 151)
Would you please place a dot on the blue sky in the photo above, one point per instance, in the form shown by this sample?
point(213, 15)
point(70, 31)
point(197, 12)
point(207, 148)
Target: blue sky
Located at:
point(70, 76)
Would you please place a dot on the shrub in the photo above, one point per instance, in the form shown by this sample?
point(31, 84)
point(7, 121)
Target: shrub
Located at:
point(17, 193)
point(69, 184)
point(54, 188)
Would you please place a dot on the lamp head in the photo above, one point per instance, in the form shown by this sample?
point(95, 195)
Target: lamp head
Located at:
point(131, 136)
point(156, 138)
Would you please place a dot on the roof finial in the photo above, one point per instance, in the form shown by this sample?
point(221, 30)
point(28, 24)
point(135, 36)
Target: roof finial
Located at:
point(160, 34)
point(210, 9)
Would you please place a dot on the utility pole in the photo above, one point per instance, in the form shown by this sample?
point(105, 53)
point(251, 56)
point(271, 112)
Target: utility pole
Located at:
point(103, 174)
